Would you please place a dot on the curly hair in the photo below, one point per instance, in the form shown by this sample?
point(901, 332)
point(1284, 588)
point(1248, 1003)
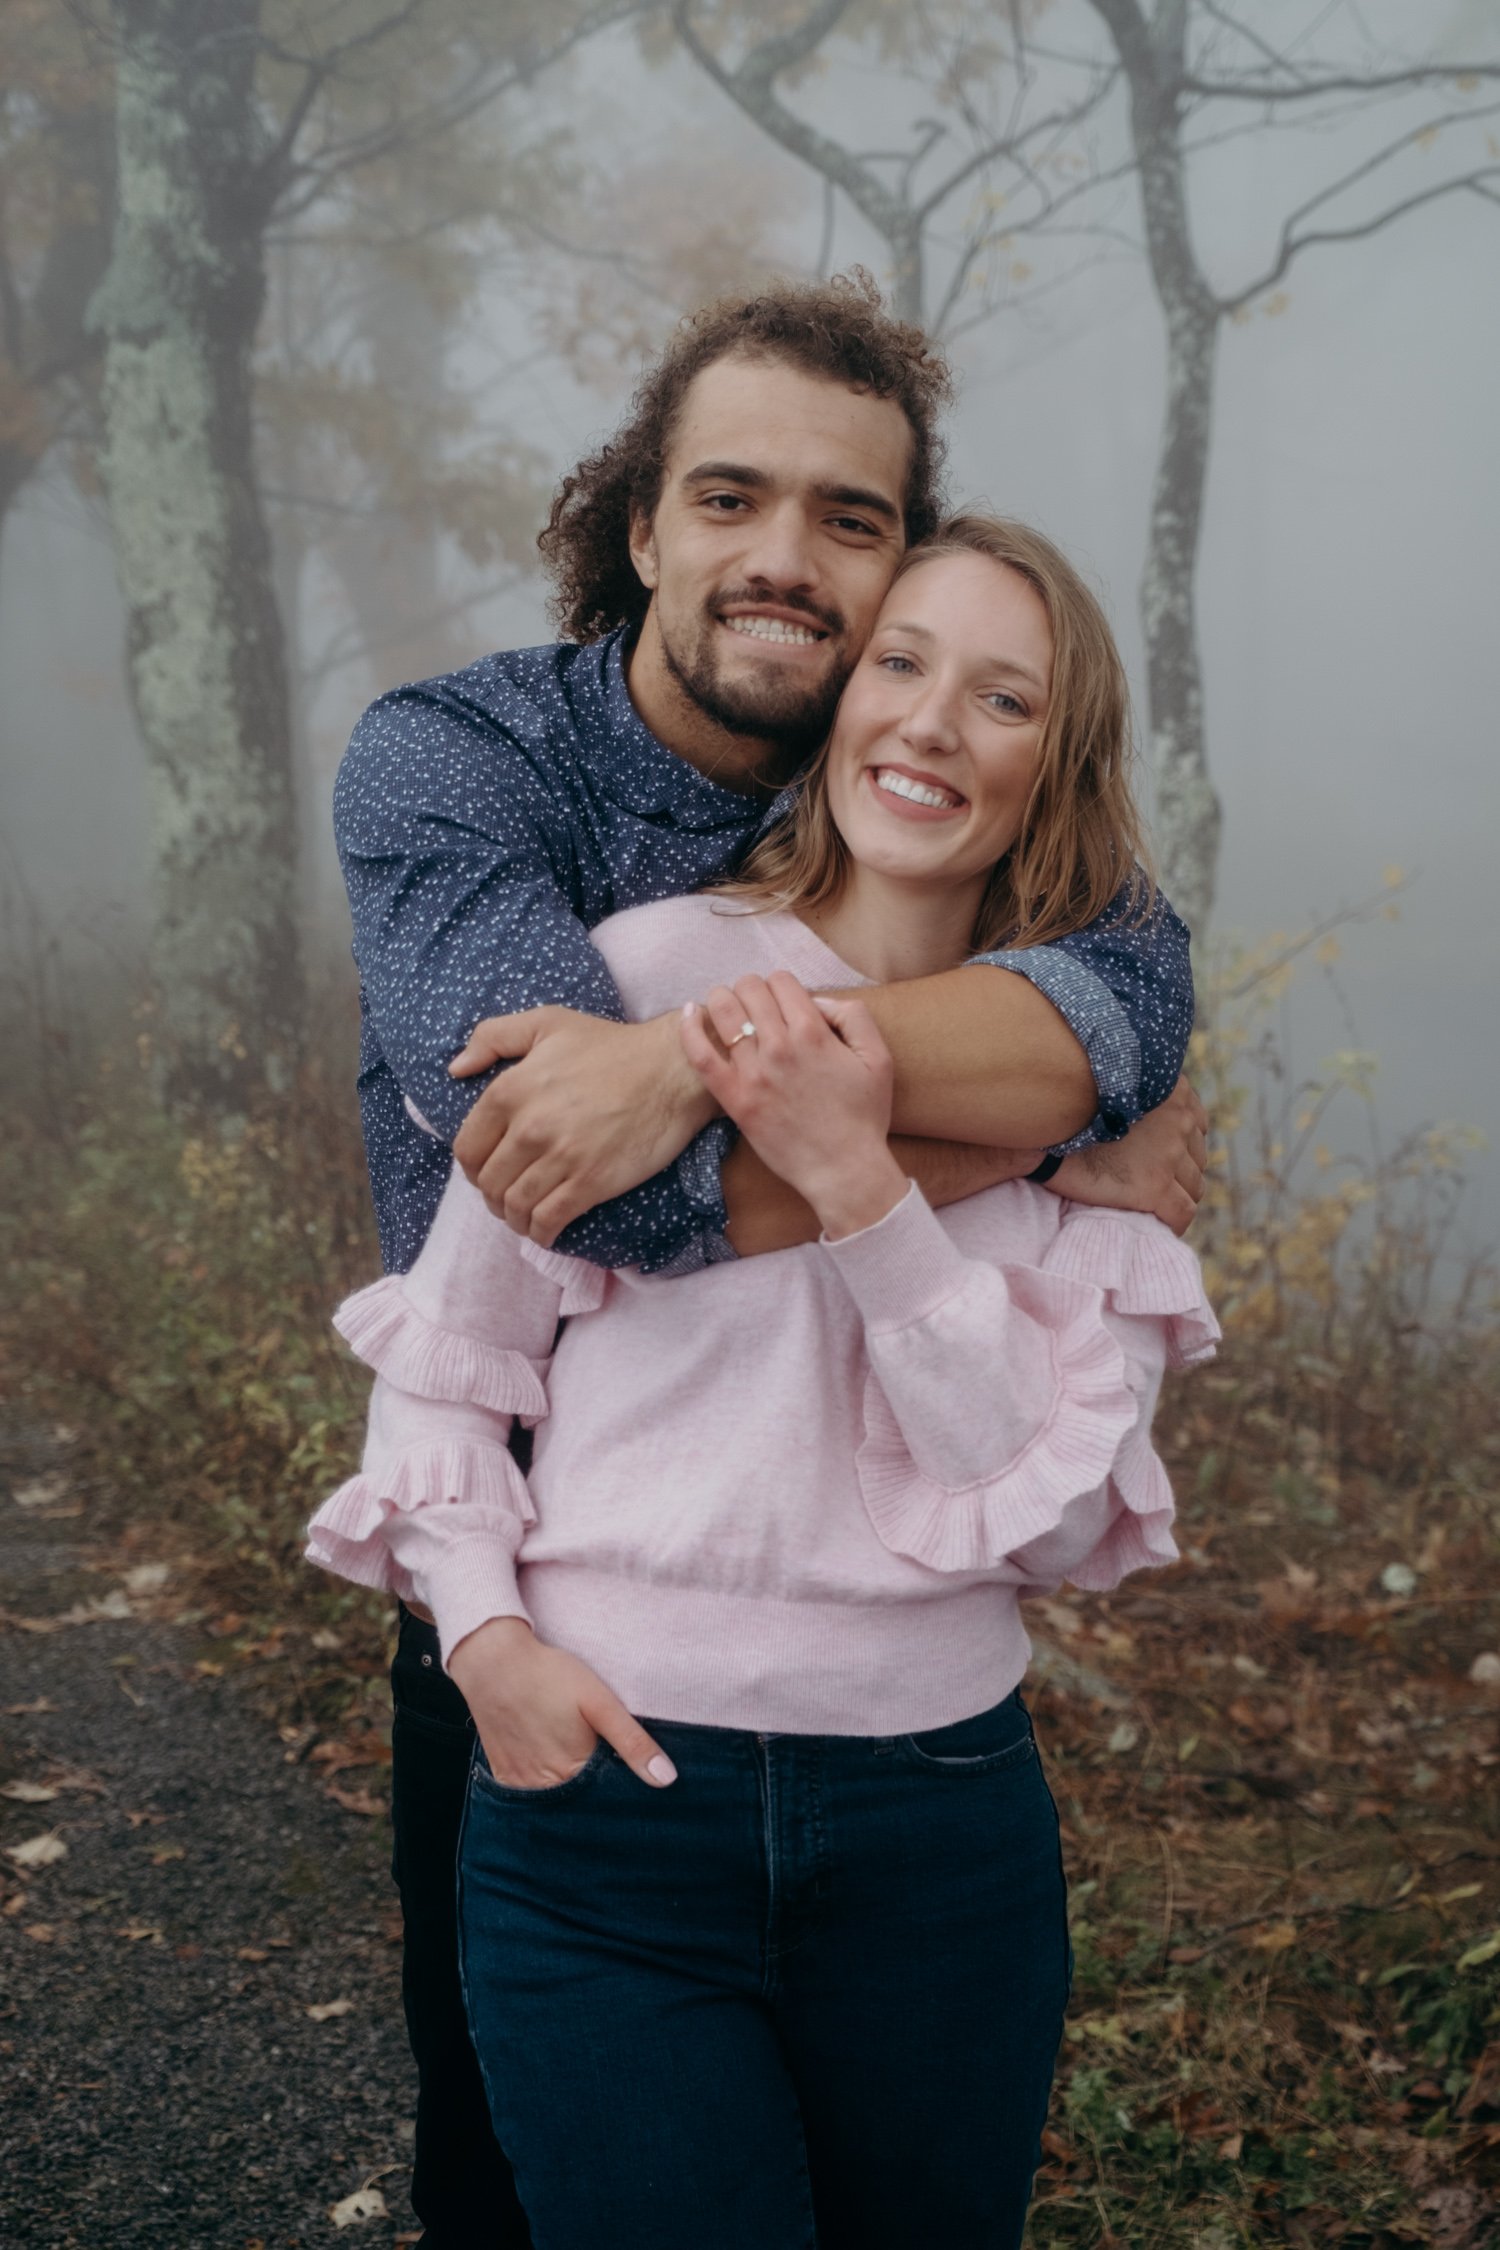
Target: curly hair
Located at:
point(837, 329)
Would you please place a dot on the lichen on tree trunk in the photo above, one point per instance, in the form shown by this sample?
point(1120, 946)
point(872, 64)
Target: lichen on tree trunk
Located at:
point(178, 310)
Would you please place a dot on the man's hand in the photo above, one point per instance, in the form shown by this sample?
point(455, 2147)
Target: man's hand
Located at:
point(540, 1711)
point(590, 1109)
point(1158, 1166)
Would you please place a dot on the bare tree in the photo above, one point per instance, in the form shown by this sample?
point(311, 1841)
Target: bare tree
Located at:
point(227, 120)
point(1185, 62)
point(56, 216)
point(975, 173)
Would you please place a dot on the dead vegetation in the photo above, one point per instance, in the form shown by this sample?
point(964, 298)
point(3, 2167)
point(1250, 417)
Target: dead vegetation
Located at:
point(1276, 1765)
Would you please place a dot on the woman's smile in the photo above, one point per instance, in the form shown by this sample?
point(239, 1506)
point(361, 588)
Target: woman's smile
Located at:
point(912, 795)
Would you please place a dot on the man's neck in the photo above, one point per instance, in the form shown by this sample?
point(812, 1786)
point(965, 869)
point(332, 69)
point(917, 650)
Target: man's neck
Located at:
point(747, 764)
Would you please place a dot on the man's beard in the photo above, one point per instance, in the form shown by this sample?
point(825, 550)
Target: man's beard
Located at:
point(771, 707)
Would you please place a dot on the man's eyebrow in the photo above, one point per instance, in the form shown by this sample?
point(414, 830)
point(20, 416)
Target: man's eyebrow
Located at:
point(759, 480)
point(990, 664)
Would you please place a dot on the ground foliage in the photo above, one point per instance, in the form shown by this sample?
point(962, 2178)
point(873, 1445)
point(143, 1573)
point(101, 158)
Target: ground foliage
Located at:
point(1276, 1764)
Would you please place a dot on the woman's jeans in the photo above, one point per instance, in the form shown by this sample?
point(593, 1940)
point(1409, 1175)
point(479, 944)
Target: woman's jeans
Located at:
point(810, 1994)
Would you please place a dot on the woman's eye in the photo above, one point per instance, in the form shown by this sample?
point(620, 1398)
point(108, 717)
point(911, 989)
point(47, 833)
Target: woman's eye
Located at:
point(898, 664)
point(1007, 705)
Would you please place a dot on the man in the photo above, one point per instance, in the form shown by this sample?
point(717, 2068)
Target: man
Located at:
point(718, 567)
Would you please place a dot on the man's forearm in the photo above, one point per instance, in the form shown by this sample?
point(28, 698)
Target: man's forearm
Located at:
point(765, 1214)
point(983, 1058)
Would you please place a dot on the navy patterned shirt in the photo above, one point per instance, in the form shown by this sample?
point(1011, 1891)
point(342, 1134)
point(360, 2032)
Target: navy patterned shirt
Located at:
point(488, 820)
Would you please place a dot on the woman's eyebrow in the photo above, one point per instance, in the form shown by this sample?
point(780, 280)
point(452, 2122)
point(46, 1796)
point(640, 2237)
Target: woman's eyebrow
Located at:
point(988, 664)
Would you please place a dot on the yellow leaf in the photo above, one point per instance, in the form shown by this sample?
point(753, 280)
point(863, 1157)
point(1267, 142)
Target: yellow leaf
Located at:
point(321, 2011)
point(1277, 1939)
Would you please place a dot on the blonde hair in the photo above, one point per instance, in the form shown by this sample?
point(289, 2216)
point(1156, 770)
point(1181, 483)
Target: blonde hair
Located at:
point(1080, 840)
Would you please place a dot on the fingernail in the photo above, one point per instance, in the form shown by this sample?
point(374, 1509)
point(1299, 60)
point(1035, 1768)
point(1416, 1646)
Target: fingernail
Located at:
point(690, 1007)
point(661, 1769)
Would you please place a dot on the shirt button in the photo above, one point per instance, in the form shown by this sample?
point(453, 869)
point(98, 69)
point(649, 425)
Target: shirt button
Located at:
point(427, 1660)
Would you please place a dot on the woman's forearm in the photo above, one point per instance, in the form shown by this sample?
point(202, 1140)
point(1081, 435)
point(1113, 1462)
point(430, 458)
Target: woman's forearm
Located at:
point(982, 1057)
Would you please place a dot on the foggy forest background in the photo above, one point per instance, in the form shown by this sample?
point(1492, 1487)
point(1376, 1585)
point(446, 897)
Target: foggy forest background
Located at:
point(305, 305)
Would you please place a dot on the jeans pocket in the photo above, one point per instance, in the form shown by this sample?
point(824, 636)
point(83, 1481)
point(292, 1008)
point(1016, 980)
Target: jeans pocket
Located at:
point(482, 1783)
point(993, 1741)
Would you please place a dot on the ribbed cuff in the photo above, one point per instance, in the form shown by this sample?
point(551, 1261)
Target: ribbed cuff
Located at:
point(902, 1268)
point(466, 1586)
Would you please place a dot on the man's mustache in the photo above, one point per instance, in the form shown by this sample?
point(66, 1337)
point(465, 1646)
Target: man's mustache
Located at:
point(751, 597)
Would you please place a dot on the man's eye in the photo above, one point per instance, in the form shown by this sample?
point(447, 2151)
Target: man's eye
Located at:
point(724, 502)
point(854, 524)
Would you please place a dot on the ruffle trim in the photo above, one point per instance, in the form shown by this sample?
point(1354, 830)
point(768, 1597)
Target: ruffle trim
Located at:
point(389, 1333)
point(583, 1286)
point(1141, 1270)
point(976, 1526)
point(347, 1533)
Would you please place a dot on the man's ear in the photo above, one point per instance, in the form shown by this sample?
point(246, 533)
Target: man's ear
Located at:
point(643, 547)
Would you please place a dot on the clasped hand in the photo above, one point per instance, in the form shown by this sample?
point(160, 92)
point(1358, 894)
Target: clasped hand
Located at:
point(808, 1080)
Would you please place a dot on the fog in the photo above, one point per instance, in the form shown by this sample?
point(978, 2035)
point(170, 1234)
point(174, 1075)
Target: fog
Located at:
point(1347, 577)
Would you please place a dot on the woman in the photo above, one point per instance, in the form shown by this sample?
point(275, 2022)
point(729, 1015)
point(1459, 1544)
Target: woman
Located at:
point(807, 1984)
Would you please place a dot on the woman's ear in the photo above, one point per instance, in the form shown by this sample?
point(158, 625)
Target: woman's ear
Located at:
point(643, 548)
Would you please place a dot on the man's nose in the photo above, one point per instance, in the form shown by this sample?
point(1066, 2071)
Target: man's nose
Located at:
point(781, 552)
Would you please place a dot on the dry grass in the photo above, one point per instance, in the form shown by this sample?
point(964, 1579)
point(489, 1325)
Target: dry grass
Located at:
point(1275, 1765)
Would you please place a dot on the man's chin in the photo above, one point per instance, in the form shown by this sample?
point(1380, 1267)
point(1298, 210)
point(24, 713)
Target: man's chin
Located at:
point(759, 698)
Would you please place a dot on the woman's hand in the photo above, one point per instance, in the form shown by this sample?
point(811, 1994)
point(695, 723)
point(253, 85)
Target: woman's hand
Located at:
point(810, 1089)
point(540, 1711)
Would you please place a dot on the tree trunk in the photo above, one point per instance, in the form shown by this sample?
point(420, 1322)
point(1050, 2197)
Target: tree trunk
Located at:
point(178, 311)
point(1188, 815)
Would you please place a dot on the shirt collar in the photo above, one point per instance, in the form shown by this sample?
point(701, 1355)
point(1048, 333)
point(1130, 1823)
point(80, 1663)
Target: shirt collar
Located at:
point(646, 777)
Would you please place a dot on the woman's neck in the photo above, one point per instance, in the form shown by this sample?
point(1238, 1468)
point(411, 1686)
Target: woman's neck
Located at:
point(888, 929)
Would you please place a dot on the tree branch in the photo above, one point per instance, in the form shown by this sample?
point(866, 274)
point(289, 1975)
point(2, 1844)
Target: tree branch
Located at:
point(1485, 183)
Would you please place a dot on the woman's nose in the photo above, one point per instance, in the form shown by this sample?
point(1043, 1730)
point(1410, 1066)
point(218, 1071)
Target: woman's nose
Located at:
point(931, 724)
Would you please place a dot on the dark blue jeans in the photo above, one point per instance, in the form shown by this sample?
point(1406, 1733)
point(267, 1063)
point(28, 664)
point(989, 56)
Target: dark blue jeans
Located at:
point(809, 1995)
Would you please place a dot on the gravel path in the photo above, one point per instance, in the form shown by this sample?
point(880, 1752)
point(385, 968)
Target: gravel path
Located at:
point(162, 2081)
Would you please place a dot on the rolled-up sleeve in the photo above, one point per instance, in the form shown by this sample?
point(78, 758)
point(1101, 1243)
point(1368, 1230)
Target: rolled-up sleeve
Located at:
point(1124, 987)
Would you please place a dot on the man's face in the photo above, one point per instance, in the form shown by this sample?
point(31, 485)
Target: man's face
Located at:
point(779, 525)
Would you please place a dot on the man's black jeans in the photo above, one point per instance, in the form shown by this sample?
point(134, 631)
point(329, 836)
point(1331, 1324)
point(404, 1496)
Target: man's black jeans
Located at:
point(462, 2190)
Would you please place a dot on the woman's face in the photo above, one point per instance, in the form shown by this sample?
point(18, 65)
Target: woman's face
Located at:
point(935, 744)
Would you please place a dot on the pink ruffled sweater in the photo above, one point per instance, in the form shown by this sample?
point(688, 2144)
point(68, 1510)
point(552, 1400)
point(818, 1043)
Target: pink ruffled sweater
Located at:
point(801, 1493)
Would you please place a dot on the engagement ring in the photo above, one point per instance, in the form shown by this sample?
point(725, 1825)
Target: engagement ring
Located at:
point(746, 1031)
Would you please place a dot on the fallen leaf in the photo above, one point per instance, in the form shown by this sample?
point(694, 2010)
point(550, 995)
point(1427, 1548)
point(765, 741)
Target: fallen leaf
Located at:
point(28, 1792)
point(1232, 2149)
point(322, 2010)
point(26, 1710)
point(15, 1904)
point(1125, 1737)
point(147, 1578)
point(252, 1953)
point(188, 1952)
point(165, 1852)
point(1485, 1669)
point(356, 1801)
point(40, 1492)
point(40, 1933)
point(324, 1639)
point(1277, 1939)
point(136, 1931)
point(364, 2203)
point(140, 1819)
point(38, 1851)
